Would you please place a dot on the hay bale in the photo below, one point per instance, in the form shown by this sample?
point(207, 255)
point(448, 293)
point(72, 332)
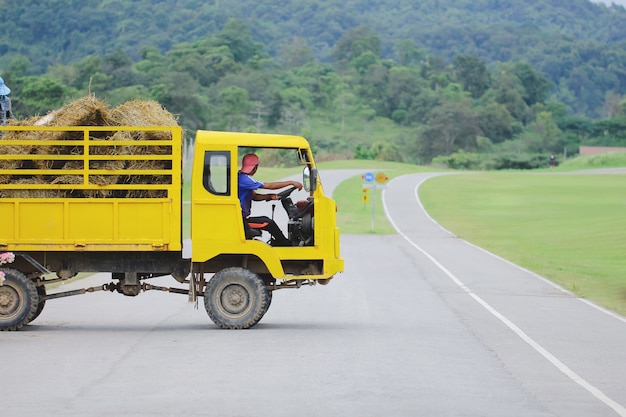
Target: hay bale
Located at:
point(143, 113)
point(21, 135)
point(70, 178)
point(85, 111)
point(11, 163)
point(16, 149)
point(89, 111)
point(112, 165)
point(31, 193)
point(93, 179)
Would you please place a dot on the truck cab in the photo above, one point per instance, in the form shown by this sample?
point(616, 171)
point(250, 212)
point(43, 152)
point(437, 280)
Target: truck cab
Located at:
point(246, 271)
point(217, 229)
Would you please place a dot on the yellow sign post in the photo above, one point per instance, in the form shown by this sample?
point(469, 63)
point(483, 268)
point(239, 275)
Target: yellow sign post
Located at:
point(369, 178)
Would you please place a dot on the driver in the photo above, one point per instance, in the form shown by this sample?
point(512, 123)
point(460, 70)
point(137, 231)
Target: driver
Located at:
point(247, 193)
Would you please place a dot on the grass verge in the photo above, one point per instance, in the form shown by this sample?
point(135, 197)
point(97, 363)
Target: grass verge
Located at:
point(604, 160)
point(570, 229)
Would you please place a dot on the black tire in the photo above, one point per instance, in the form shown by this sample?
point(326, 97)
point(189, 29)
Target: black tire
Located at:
point(268, 280)
point(235, 298)
point(41, 292)
point(269, 300)
point(18, 300)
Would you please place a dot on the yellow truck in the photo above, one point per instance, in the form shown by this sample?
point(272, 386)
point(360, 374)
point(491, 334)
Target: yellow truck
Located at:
point(78, 199)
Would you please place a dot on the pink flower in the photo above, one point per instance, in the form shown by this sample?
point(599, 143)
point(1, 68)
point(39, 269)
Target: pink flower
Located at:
point(6, 258)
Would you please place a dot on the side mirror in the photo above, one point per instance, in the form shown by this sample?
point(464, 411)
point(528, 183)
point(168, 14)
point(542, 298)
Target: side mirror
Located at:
point(309, 179)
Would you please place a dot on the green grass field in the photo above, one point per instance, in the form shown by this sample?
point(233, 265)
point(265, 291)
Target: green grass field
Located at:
point(570, 229)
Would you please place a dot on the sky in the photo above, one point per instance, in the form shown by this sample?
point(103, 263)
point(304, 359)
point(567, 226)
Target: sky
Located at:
point(608, 2)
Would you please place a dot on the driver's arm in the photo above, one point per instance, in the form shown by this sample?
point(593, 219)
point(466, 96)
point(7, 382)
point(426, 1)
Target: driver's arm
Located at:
point(264, 197)
point(276, 185)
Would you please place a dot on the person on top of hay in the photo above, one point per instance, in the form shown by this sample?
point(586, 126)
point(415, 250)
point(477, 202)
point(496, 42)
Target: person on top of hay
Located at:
point(5, 103)
point(247, 186)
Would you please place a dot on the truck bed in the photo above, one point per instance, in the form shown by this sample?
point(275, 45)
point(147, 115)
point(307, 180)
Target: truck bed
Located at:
point(113, 188)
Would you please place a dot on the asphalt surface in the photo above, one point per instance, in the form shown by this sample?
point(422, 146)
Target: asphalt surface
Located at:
point(421, 323)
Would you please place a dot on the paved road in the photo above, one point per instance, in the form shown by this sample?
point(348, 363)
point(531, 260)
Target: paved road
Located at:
point(420, 324)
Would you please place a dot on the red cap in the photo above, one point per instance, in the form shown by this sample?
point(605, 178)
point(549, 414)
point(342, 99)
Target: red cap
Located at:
point(249, 162)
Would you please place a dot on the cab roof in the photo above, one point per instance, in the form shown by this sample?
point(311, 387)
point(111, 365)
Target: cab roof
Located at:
point(250, 140)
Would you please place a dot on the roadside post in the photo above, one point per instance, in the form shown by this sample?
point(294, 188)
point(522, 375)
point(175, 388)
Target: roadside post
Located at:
point(375, 182)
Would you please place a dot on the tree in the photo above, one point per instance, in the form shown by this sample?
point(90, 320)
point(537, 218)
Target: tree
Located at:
point(371, 88)
point(535, 85)
point(546, 131)
point(236, 35)
point(355, 42)
point(407, 54)
point(297, 98)
point(321, 81)
point(450, 127)
point(403, 87)
point(276, 110)
point(610, 132)
point(151, 64)
point(41, 94)
point(297, 53)
point(472, 73)
point(234, 105)
point(496, 122)
point(364, 62)
point(386, 151)
point(345, 105)
point(613, 104)
point(506, 91)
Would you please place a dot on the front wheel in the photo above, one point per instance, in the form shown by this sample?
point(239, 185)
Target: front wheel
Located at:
point(18, 300)
point(236, 298)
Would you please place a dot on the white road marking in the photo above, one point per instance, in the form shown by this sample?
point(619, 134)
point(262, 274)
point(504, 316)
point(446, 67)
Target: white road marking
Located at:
point(609, 402)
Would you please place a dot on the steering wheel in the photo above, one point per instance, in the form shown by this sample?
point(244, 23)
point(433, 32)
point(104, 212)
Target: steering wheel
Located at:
point(284, 194)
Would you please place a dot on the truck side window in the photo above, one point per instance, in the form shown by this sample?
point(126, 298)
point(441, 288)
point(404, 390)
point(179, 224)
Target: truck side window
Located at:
point(216, 175)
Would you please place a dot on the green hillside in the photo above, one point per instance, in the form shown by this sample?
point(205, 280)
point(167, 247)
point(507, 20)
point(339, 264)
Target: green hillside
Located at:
point(577, 44)
point(467, 84)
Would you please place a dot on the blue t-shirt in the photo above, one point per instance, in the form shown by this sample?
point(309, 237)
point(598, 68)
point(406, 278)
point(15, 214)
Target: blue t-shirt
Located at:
point(247, 184)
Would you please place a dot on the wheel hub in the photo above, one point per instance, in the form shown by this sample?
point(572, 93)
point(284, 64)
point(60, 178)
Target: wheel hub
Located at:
point(235, 299)
point(8, 301)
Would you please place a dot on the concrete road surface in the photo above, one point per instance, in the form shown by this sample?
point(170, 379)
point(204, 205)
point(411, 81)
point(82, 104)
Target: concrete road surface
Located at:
point(420, 324)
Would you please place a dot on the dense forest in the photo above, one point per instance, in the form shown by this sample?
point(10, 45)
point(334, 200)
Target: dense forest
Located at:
point(473, 83)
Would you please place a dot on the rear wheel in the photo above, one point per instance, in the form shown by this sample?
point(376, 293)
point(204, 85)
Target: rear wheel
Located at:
point(18, 300)
point(236, 298)
point(41, 293)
